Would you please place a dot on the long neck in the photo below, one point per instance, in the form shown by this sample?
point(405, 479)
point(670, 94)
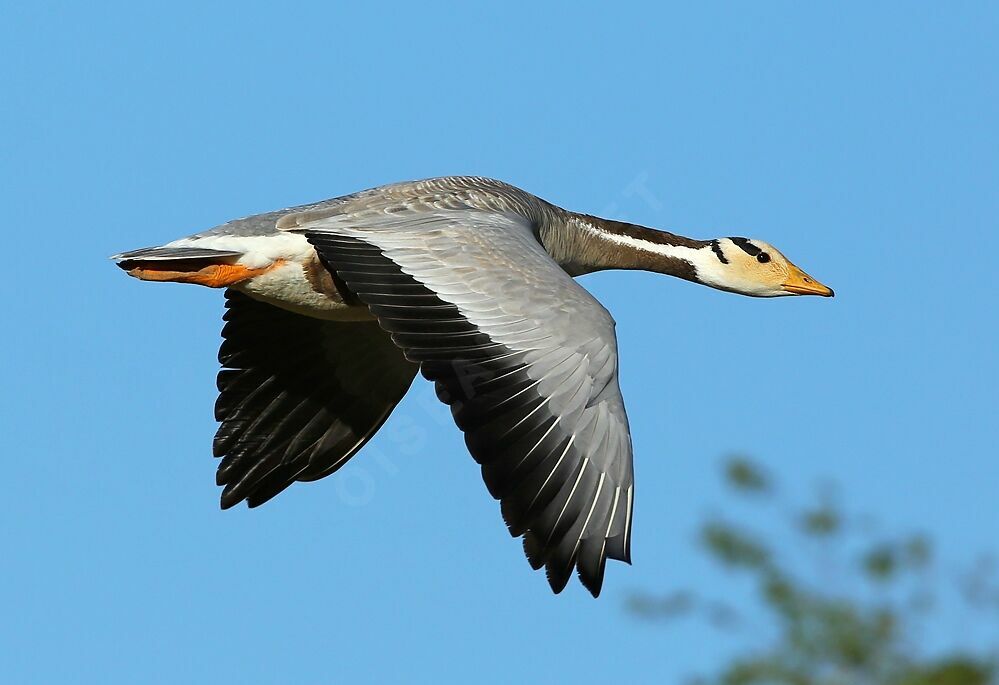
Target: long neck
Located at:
point(585, 243)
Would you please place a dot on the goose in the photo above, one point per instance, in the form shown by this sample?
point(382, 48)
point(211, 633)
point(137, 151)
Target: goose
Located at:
point(332, 308)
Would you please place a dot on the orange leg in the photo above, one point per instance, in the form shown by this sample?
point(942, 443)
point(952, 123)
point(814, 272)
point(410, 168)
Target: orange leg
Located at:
point(212, 275)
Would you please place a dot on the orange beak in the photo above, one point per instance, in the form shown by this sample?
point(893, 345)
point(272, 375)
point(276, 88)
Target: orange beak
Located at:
point(800, 283)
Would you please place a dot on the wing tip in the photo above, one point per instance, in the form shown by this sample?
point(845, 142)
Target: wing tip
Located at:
point(592, 585)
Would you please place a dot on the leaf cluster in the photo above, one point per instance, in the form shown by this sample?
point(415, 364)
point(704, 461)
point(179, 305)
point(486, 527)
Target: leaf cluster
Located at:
point(864, 635)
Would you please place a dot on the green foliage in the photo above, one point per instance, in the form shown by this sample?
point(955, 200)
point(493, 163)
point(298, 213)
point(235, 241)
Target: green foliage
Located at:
point(827, 637)
point(821, 521)
point(669, 606)
point(880, 562)
point(953, 671)
point(733, 547)
point(743, 475)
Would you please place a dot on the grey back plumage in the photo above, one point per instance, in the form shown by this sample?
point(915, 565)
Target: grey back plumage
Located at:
point(449, 192)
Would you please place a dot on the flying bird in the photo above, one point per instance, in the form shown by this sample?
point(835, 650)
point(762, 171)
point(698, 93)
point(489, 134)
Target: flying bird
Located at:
point(333, 307)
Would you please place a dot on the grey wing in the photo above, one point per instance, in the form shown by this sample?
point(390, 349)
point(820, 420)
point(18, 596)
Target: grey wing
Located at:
point(524, 356)
point(298, 396)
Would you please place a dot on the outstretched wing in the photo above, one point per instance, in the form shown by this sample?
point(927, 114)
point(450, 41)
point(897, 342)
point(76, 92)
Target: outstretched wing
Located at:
point(298, 396)
point(525, 357)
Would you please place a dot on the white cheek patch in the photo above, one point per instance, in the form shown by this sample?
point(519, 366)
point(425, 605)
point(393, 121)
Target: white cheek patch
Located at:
point(711, 271)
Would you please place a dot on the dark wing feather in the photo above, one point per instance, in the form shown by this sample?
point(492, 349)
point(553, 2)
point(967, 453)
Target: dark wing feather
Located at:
point(298, 396)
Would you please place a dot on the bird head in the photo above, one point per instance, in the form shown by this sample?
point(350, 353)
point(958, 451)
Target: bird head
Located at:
point(758, 269)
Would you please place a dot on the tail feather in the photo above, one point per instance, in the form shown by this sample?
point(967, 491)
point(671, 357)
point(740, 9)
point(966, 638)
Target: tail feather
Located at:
point(201, 266)
point(171, 253)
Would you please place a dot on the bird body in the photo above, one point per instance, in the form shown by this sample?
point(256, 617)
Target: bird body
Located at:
point(333, 307)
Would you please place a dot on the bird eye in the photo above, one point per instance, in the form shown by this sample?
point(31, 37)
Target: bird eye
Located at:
point(763, 258)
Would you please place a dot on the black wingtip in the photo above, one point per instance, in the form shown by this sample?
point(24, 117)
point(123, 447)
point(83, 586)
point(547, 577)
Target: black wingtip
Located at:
point(534, 551)
point(593, 586)
point(232, 495)
point(558, 578)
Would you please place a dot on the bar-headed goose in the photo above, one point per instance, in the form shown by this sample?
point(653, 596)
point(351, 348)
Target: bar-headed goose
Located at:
point(334, 306)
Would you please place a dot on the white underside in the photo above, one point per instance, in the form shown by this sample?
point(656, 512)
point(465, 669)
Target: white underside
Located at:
point(286, 285)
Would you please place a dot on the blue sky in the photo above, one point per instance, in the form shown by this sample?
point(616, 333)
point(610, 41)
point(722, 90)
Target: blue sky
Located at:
point(858, 138)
